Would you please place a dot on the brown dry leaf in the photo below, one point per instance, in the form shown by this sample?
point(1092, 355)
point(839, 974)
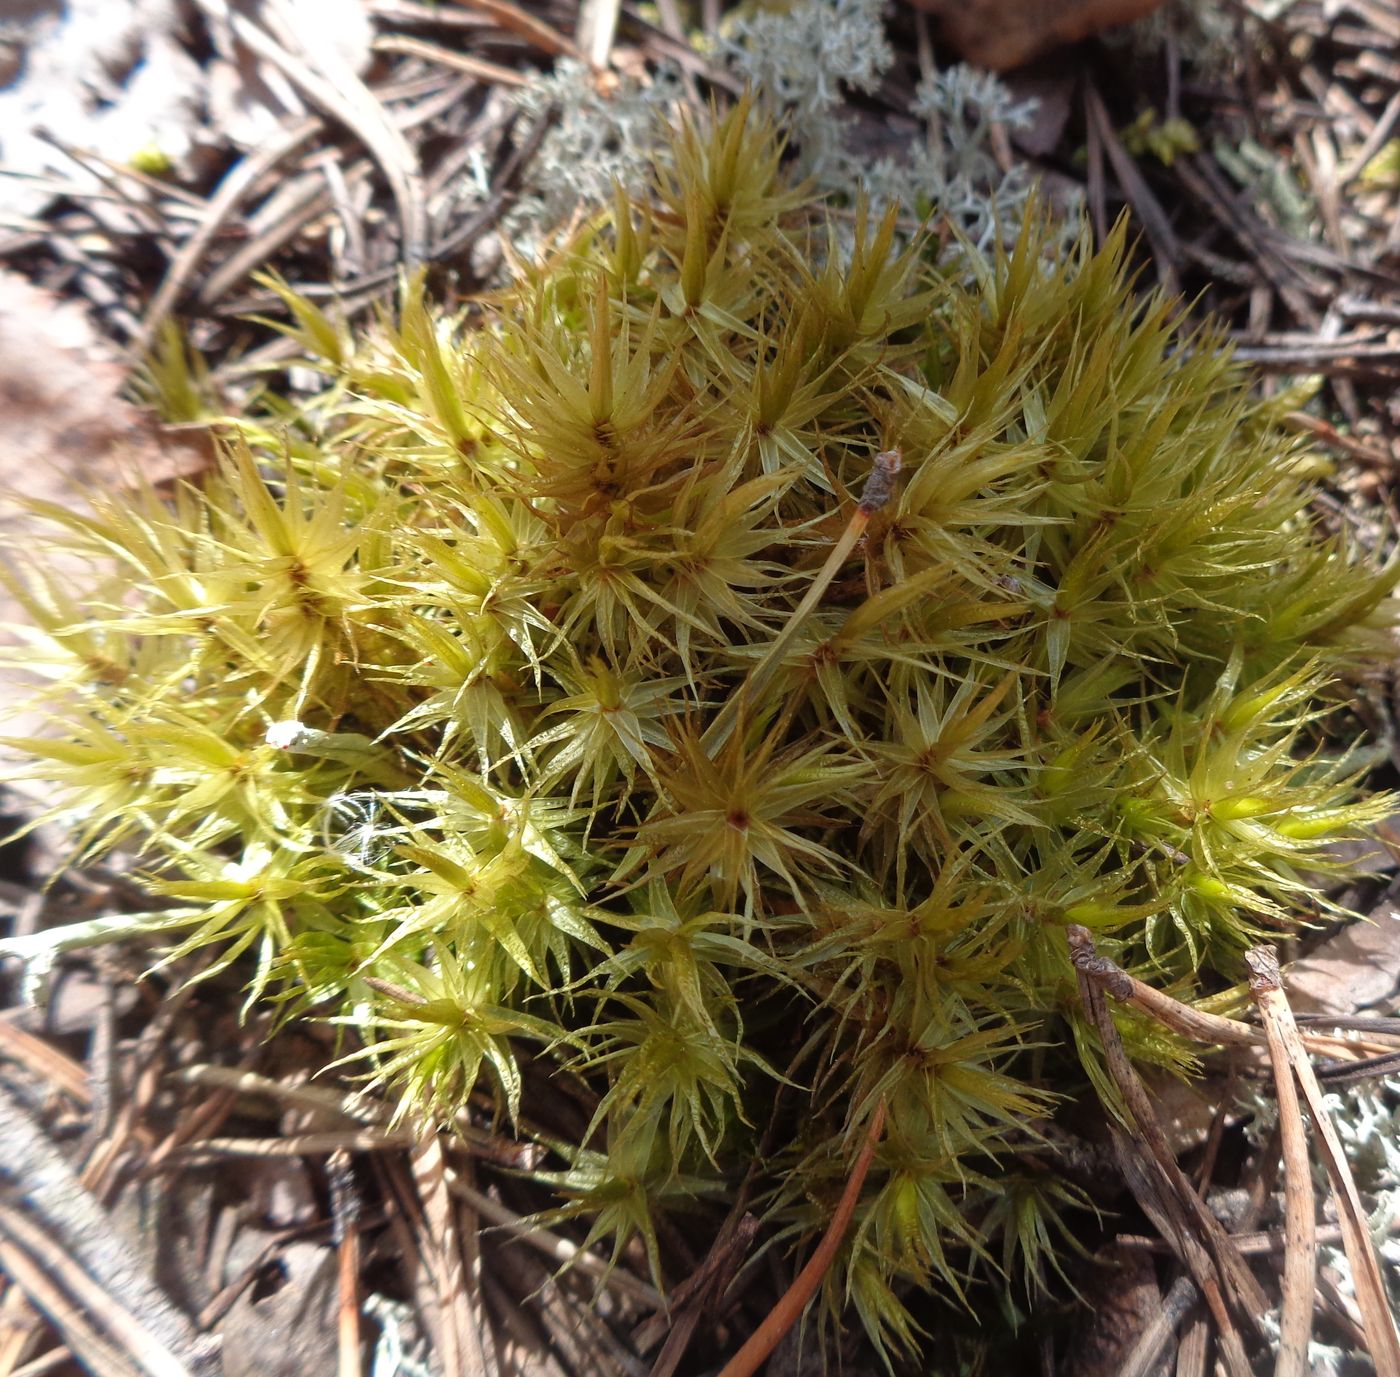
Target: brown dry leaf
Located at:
point(1186, 1109)
point(1005, 33)
point(1357, 969)
point(66, 428)
point(1048, 93)
point(66, 432)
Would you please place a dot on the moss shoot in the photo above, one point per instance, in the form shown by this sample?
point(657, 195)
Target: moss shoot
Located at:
point(568, 687)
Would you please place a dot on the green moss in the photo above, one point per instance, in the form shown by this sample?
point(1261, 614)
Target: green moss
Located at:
point(551, 684)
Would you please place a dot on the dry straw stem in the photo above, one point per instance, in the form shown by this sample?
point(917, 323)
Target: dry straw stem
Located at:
point(1207, 1028)
point(341, 94)
point(345, 1211)
point(879, 488)
point(1379, 1323)
point(698, 1296)
point(1145, 1356)
point(1300, 1219)
point(524, 25)
point(793, 1301)
point(1204, 1246)
point(461, 1332)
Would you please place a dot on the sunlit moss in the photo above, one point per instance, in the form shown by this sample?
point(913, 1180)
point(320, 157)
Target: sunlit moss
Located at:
point(461, 709)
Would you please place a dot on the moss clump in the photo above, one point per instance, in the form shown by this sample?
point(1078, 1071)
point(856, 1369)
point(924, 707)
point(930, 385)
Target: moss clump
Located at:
point(570, 682)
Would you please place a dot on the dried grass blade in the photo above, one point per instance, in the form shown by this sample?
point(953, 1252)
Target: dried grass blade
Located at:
point(518, 21)
point(221, 205)
point(1371, 1298)
point(459, 1330)
point(1300, 1209)
point(346, 98)
point(1207, 1250)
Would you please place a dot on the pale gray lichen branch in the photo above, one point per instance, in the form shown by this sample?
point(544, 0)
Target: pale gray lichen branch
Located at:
point(803, 66)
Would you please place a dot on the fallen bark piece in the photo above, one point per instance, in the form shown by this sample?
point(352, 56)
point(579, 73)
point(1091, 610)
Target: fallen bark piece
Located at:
point(61, 1247)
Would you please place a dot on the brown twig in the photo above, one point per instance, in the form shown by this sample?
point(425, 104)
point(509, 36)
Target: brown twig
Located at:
point(1320, 355)
point(1348, 1072)
point(1154, 220)
point(696, 1296)
point(80, 1336)
point(1143, 1357)
point(1327, 434)
point(221, 206)
point(345, 1216)
point(560, 1250)
point(224, 1298)
point(276, 222)
point(298, 1145)
point(315, 1097)
point(1199, 1026)
point(478, 67)
point(44, 1060)
point(1200, 177)
point(1255, 1244)
point(205, 1118)
point(794, 1300)
point(341, 94)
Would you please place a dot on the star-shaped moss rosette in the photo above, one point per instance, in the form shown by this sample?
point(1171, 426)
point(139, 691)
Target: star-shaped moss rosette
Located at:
point(569, 682)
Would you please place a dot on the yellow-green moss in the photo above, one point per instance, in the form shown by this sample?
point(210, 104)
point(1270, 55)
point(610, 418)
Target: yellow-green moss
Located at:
point(413, 702)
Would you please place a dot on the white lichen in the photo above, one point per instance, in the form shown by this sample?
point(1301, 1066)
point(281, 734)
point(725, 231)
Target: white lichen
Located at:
point(599, 136)
point(805, 66)
point(1367, 1120)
